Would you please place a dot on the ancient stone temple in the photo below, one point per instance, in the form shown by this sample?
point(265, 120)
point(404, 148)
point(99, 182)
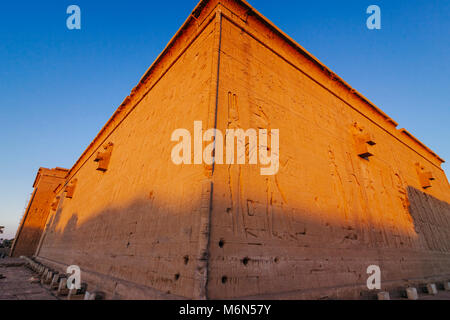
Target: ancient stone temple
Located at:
point(351, 190)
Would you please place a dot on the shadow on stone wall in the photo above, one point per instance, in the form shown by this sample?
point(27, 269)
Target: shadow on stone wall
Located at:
point(431, 220)
point(27, 241)
point(153, 244)
point(133, 242)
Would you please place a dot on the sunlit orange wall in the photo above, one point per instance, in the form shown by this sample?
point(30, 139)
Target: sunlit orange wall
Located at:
point(139, 221)
point(35, 216)
point(328, 214)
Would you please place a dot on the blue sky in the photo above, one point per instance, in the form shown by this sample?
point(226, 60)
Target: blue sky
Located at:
point(58, 87)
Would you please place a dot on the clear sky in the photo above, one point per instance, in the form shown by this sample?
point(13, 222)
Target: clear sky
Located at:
point(58, 87)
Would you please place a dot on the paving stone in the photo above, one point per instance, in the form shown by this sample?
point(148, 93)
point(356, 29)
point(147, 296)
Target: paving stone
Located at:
point(17, 286)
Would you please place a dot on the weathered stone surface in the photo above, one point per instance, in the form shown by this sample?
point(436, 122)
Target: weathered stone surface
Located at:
point(17, 283)
point(352, 190)
point(36, 213)
point(431, 289)
point(383, 295)
point(447, 286)
point(62, 287)
point(411, 293)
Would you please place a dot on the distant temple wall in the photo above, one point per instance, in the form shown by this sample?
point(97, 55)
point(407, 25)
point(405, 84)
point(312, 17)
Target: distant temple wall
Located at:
point(33, 221)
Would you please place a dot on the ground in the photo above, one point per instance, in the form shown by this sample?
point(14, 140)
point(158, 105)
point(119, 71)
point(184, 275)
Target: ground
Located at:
point(15, 282)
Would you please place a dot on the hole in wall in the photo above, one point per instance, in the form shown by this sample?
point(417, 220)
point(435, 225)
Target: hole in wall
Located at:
point(177, 276)
point(221, 243)
point(224, 279)
point(186, 259)
point(245, 261)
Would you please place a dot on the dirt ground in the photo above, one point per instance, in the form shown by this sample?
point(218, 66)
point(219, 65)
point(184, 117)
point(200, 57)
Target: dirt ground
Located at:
point(15, 282)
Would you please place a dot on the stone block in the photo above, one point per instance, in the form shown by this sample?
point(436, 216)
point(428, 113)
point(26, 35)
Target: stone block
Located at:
point(62, 287)
point(431, 289)
point(96, 295)
point(78, 294)
point(54, 284)
point(411, 293)
point(384, 295)
point(447, 286)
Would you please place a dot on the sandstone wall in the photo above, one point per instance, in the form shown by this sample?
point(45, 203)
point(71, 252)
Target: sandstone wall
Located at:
point(36, 213)
point(139, 222)
point(146, 228)
point(314, 228)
